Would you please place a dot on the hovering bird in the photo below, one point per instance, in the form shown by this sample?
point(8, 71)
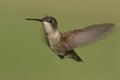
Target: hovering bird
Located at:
point(63, 44)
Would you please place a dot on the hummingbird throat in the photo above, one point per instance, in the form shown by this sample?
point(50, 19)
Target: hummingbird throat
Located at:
point(48, 27)
point(52, 34)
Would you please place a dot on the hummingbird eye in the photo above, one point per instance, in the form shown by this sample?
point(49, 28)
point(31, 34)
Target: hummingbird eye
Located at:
point(50, 21)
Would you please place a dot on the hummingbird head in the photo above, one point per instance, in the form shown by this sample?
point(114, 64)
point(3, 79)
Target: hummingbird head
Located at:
point(46, 21)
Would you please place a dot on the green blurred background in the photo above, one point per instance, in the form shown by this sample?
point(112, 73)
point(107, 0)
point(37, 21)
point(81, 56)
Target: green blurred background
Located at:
point(24, 54)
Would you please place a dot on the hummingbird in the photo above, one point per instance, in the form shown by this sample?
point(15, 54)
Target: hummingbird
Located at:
point(63, 44)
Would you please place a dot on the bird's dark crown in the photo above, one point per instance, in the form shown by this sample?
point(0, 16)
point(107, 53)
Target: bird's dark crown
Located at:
point(50, 20)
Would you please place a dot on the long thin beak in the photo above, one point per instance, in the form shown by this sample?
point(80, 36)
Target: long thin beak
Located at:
point(34, 19)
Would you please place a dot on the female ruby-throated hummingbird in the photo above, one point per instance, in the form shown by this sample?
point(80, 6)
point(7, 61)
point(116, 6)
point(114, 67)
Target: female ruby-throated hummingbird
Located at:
point(63, 43)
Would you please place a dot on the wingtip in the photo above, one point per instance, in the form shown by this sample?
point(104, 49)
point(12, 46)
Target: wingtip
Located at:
point(111, 25)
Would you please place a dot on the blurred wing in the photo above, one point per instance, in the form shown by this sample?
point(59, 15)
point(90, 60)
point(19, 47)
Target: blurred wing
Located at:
point(88, 34)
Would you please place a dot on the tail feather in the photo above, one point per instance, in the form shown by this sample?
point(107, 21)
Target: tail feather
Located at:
point(72, 54)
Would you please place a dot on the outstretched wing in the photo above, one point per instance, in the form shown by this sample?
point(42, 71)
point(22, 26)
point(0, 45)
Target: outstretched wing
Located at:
point(88, 34)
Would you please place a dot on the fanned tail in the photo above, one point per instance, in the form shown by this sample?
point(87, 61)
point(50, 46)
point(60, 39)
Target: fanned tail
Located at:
point(72, 54)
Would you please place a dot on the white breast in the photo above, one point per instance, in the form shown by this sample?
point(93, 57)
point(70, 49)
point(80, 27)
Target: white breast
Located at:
point(53, 35)
point(54, 38)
